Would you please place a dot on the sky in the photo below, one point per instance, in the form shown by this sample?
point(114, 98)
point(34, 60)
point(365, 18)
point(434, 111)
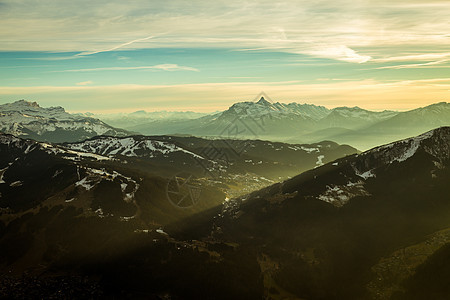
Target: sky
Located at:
point(122, 56)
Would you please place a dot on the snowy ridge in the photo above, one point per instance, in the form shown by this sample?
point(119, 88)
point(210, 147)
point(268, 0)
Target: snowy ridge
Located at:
point(435, 142)
point(23, 118)
point(404, 149)
point(264, 108)
point(305, 111)
point(28, 146)
point(357, 112)
point(29, 111)
point(129, 146)
point(70, 154)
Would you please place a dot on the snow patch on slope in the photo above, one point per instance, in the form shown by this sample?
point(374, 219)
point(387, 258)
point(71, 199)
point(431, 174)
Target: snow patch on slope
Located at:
point(71, 154)
point(319, 161)
point(366, 175)
point(2, 172)
point(308, 150)
point(128, 146)
point(128, 186)
point(86, 183)
point(339, 195)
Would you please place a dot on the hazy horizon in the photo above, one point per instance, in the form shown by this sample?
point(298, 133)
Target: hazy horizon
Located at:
point(220, 109)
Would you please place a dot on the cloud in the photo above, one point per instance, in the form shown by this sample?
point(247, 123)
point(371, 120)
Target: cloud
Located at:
point(375, 28)
point(424, 60)
point(115, 47)
point(341, 52)
point(417, 57)
point(415, 66)
point(85, 82)
point(162, 67)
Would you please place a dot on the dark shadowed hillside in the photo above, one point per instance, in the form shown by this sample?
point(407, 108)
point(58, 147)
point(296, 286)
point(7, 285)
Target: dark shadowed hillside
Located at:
point(346, 230)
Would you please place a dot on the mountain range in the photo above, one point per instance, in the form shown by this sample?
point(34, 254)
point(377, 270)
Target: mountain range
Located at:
point(399, 126)
point(239, 167)
point(307, 123)
point(371, 225)
point(289, 123)
point(91, 211)
point(28, 119)
point(268, 120)
point(130, 120)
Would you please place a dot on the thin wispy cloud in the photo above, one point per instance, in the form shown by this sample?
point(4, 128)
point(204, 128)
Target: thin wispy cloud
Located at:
point(115, 47)
point(341, 52)
point(88, 82)
point(415, 66)
point(417, 57)
point(162, 67)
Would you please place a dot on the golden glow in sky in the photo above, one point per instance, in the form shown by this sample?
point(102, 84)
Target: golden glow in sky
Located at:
point(197, 55)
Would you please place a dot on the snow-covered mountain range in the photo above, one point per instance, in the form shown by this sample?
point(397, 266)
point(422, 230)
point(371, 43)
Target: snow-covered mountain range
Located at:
point(324, 116)
point(308, 123)
point(275, 121)
point(277, 110)
point(264, 119)
point(28, 119)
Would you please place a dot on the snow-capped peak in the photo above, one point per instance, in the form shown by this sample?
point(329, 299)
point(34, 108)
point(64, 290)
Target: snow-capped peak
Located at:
point(32, 109)
point(26, 103)
point(263, 101)
point(24, 118)
point(264, 107)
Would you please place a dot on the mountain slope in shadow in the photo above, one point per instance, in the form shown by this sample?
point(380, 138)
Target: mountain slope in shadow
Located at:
point(328, 233)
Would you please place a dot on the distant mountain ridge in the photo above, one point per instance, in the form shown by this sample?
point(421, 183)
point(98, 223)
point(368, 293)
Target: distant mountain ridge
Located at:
point(264, 107)
point(129, 120)
point(267, 120)
point(290, 123)
point(353, 117)
point(400, 126)
point(307, 123)
point(28, 119)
